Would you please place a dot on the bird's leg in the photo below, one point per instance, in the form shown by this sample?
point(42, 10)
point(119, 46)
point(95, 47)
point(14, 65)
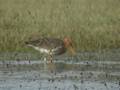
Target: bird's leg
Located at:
point(45, 62)
point(44, 59)
point(50, 57)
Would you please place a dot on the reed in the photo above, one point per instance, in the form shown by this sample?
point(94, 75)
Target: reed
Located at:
point(93, 25)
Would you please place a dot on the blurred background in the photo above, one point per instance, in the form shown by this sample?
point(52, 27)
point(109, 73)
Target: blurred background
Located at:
point(92, 24)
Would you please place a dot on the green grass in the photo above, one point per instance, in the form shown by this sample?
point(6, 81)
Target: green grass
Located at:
point(92, 24)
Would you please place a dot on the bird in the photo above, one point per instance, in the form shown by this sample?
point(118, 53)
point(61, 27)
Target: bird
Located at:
point(52, 46)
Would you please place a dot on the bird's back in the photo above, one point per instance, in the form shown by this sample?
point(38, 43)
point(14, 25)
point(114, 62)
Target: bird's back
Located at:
point(53, 44)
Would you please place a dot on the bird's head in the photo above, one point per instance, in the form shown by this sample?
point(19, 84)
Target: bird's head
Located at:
point(69, 45)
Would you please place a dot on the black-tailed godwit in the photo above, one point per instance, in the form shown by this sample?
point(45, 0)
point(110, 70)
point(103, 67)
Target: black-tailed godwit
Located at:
point(51, 46)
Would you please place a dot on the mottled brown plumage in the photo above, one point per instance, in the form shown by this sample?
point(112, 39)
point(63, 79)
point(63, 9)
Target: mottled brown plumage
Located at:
point(51, 46)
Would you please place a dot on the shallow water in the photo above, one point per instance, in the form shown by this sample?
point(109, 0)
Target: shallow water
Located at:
point(60, 75)
point(86, 71)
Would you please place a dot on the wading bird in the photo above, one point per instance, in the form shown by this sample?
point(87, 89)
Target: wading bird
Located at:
point(51, 46)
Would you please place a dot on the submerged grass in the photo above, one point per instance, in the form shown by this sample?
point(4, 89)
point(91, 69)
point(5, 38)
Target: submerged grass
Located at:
point(93, 25)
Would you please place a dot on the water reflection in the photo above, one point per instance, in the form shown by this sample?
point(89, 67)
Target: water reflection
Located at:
point(51, 67)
